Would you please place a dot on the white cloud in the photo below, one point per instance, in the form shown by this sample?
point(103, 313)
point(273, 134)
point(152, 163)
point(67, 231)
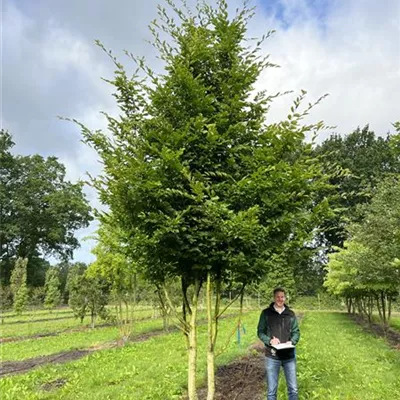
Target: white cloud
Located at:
point(356, 59)
point(53, 68)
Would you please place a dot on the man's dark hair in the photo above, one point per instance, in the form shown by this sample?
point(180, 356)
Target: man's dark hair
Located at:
point(279, 289)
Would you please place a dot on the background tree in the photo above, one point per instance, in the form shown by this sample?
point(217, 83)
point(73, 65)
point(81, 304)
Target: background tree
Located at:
point(6, 297)
point(37, 295)
point(18, 285)
point(88, 294)
point(368, 159)
point(52, 288)
point(365, 272)
point(77, 297)
point(39, 211)
point(119, 270)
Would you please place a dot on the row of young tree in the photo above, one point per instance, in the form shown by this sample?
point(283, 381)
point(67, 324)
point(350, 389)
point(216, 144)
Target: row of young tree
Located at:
point(94, 290)
point(83, 293)
point(366, 271)
point(199, 187)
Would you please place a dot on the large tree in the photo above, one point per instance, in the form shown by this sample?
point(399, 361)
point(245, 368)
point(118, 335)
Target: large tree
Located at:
point(39, 210)
point(205, 190)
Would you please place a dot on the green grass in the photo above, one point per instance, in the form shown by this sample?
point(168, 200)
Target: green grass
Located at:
point(70, 341)
point(34, 328)
point(44, 314)
point(54, 325)
point(395, 322)
point(337, 360)
point(151, 370)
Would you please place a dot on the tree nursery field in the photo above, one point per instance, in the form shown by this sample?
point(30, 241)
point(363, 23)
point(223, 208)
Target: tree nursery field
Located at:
point(337, 359)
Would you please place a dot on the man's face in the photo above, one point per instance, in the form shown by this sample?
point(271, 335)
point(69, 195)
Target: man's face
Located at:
point(279, 298)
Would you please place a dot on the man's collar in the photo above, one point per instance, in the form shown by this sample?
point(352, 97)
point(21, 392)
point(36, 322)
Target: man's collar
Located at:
point(278, 310)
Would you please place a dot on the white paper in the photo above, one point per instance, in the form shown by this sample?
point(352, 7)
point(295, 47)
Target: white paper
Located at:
point(282, 346)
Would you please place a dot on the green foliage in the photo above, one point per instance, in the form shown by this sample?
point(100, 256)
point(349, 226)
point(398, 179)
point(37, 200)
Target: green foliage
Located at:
point(367, 265)
point(18, 285)
point(75, 286)
point(52, 288)
point(87, 293)
point(39, 211)
point(6, 297)
point(37, 296)
point(192, 172)
point(113, 262)
point(367, 159)
point(202, 187)
point(323, 301)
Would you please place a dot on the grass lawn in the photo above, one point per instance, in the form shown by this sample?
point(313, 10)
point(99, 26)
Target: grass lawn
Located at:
point(151, 370)
point(33, 327)
point(22, 350)
point(337, 360)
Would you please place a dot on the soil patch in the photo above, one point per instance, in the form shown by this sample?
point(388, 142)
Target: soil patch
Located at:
point(391, 335)
point(242, 379)
point(17, 367)
point(38, 320)
point(53, 385)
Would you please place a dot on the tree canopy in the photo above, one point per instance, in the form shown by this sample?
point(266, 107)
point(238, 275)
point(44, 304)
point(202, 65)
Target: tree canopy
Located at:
point(368, 159)
point(39, 210)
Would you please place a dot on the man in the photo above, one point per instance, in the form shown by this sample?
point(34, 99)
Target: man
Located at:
point(278, 324)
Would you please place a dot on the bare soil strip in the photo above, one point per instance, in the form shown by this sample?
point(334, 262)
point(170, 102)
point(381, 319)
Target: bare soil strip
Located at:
point(56, 333)
point(391, 335)
point(17, 367)
point(29, 321)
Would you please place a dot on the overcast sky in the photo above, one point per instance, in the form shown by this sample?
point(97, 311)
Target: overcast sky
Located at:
point(50, 66)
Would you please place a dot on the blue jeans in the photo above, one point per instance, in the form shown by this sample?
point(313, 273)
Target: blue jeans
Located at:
point(272, 367)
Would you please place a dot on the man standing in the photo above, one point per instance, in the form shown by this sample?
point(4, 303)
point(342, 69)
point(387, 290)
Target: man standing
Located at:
point(278, 325)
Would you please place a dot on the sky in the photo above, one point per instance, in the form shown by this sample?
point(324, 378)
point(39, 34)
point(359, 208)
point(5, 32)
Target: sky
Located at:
point(51, 67)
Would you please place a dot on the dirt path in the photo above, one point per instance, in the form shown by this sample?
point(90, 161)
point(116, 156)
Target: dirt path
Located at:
point(29, 321)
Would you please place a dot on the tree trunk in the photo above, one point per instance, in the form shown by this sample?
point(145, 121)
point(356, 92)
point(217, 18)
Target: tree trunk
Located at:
point(379, 308)
point(348, 304)
point(212, 329)
point(210, 349)
point(383, 301)
point(370, 308)
point(192, 343)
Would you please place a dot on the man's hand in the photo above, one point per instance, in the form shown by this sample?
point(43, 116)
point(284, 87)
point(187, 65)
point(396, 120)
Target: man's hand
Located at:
point(274, 340)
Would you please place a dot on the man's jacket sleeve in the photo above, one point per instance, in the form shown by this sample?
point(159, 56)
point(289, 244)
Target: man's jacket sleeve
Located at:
point(294, 331)
point(262, 330)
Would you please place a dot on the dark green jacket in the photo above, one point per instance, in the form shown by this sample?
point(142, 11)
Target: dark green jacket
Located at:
point(283, 326)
